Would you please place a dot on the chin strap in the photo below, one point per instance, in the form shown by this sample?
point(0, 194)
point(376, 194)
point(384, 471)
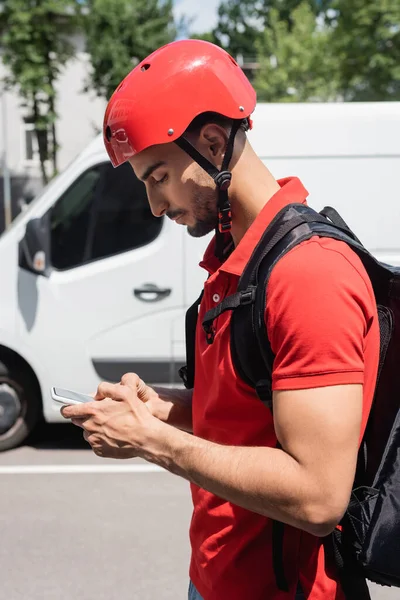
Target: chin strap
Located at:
point(222, 180)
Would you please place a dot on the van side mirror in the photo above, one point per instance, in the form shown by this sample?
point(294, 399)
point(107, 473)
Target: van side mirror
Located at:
point(34, 248)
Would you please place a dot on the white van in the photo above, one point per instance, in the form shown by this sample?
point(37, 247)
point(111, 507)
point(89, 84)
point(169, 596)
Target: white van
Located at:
point(94, 286)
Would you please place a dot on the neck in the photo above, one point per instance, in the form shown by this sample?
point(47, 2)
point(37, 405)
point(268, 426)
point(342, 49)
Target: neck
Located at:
point(252, 187)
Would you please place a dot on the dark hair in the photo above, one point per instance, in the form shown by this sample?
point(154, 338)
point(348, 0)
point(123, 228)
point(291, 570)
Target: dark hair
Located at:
point(216, 119)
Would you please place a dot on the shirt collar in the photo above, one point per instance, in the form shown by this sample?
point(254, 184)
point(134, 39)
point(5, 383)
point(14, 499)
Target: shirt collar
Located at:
point(292, 191)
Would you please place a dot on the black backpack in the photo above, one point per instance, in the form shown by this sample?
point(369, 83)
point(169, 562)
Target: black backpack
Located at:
point(367, 545)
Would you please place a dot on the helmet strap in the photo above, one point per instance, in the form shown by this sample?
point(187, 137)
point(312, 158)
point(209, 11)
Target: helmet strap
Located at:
point(222, 180)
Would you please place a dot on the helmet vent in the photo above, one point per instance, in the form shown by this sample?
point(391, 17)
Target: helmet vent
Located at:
point(108, 134)
point(145, 67)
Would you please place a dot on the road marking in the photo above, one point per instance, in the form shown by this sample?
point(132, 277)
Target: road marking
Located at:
point(77, 469)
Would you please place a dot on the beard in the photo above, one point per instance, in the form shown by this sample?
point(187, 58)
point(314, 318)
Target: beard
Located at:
point(203, 226)
point(204, 211)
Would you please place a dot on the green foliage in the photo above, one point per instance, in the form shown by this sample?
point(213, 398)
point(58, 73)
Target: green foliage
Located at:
point(207, 37)
point(316, 49)
point(120, 33)
point(35, 45)
point(289, 56)
point(366, 39)
point(241, 23)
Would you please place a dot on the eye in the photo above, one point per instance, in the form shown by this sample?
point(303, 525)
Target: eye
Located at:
point(162, 180)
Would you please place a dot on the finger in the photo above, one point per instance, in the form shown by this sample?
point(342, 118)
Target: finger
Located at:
point(78, 411)
point(142, 391)
point(115, 391)
point(90, 437)
point(131, 380)
point(101, 394)
point(93, 441)
point(98, 396)
point(86, 436)
point(79, 423)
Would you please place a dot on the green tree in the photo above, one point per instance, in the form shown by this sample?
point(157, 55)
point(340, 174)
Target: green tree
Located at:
point(285, 8)
point(366, 38)
point(207, 37)
point(35, 46)
point(295, 64)
point(121, 33)
point(241, 23)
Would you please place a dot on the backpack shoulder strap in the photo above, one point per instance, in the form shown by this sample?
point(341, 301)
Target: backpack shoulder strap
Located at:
point(186, 372)
point(332, 214)
point(251, 351)
point(250, 347)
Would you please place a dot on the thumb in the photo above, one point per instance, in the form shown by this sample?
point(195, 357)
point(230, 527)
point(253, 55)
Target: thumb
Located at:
point(115, 391)
point(142, 391)
point(133, 381)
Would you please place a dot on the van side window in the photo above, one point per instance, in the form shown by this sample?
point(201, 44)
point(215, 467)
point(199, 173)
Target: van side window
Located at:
point(103, 213)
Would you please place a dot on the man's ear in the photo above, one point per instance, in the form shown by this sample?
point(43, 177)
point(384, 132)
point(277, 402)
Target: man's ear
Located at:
point(212, 141)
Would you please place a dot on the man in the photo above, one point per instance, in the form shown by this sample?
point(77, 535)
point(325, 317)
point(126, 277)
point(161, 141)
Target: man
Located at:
point(180, 118)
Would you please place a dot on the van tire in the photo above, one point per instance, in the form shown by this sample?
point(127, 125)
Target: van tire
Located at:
point(19, 384)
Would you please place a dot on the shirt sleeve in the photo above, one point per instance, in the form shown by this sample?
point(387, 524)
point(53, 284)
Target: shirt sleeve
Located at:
point(319, 310)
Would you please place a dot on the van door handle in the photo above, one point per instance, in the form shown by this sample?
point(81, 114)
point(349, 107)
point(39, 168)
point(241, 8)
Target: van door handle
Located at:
point(151, 293)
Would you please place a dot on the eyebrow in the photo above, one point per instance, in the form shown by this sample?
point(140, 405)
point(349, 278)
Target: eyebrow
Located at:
point(151, 169)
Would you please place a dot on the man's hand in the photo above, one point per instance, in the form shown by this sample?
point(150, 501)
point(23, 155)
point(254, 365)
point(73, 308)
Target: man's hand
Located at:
point(305, 484)
point(117, 424)
point(172, 406)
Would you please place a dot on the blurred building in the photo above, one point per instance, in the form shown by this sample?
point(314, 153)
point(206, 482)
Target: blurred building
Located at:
point(80, 116)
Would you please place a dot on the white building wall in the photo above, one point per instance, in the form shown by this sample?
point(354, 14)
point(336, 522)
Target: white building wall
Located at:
point(80, 116)
point(80, 113)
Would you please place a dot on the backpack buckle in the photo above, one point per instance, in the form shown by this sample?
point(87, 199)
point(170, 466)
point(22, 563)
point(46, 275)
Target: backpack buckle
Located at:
point(225, 219)
point(248, 296)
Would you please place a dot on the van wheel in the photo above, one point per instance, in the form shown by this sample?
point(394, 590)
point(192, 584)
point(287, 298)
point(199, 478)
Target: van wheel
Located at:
point(20, 404)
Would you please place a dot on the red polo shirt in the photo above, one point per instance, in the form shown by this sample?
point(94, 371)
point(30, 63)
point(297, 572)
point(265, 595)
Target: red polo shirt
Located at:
point(323, 328)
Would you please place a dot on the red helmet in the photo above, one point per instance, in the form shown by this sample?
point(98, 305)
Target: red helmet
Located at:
point(162, 95)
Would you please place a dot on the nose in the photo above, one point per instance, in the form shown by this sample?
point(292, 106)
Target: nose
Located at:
point(158, 206)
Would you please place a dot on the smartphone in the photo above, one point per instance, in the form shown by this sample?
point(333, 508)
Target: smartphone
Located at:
point(68, 396)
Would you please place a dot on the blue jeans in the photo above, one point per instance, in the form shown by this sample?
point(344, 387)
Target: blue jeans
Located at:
point(194, 594)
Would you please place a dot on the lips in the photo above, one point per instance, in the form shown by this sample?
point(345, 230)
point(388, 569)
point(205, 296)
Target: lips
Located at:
point(177, 218)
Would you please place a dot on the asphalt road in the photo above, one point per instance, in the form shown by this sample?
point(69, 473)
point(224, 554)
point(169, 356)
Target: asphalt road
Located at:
point(76, 527)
